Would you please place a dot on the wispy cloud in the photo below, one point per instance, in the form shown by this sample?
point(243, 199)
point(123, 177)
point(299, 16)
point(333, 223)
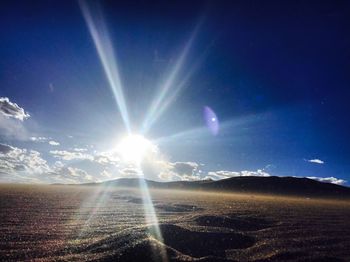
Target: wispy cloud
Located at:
point(316, 161)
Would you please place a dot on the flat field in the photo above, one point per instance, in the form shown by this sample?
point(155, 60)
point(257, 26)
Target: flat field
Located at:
point(67, 223)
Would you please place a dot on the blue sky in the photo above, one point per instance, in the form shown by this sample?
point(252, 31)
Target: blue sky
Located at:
point(274, 75)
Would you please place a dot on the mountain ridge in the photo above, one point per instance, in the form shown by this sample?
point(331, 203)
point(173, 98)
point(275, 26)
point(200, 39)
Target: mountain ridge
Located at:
point(290, 186)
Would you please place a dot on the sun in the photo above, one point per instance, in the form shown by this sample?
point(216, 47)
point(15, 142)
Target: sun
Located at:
point(133, 148)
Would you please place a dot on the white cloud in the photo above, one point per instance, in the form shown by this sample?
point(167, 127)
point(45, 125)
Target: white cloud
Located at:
point(107, 158)
point(216, 175)
point(39, 138)
point(79, 149)
point(54, 143)
point(185, 168)
point(17, 162)
point(70, 175)
point(12, 110)
point(67, 155)
point(22, 165)
point(12, 128)
point(332, 180)
point(185, 171)
point(130, 172)
point(167, 171)
point(42, 139)
point(102, 166)
point(11, 118)
point(316, 161)
point(58, 164)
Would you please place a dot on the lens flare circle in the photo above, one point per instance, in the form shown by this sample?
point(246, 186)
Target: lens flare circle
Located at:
point(211, 120)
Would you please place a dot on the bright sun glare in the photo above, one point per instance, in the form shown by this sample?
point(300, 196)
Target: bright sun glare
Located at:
point(134, 148)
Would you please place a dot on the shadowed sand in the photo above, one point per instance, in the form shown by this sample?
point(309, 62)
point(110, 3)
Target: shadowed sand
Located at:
point(178, 243)
point(200, 244)
point(239, 223)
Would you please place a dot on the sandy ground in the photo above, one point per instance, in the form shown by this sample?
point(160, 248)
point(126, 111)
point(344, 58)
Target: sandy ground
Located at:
point(46, 223)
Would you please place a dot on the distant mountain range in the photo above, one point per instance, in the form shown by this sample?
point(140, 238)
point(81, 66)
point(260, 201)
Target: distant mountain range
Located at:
point(264, 185)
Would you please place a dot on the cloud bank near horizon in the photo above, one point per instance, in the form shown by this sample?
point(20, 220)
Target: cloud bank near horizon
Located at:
point(21, 165)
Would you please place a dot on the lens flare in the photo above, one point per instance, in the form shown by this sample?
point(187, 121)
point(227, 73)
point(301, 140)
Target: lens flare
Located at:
point(211, 120)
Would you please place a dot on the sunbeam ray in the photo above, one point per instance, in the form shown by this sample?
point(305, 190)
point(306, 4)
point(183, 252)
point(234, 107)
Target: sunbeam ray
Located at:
point(176, 91)
point(150, 214)
point(100, 36)
point(99, 198)
point(226, 127)
point(165, 96)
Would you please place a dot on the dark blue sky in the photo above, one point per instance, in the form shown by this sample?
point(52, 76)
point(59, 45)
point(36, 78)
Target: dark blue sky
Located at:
point(275, 73)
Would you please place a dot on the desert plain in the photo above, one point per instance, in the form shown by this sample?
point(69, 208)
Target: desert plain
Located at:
point(101, 223)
